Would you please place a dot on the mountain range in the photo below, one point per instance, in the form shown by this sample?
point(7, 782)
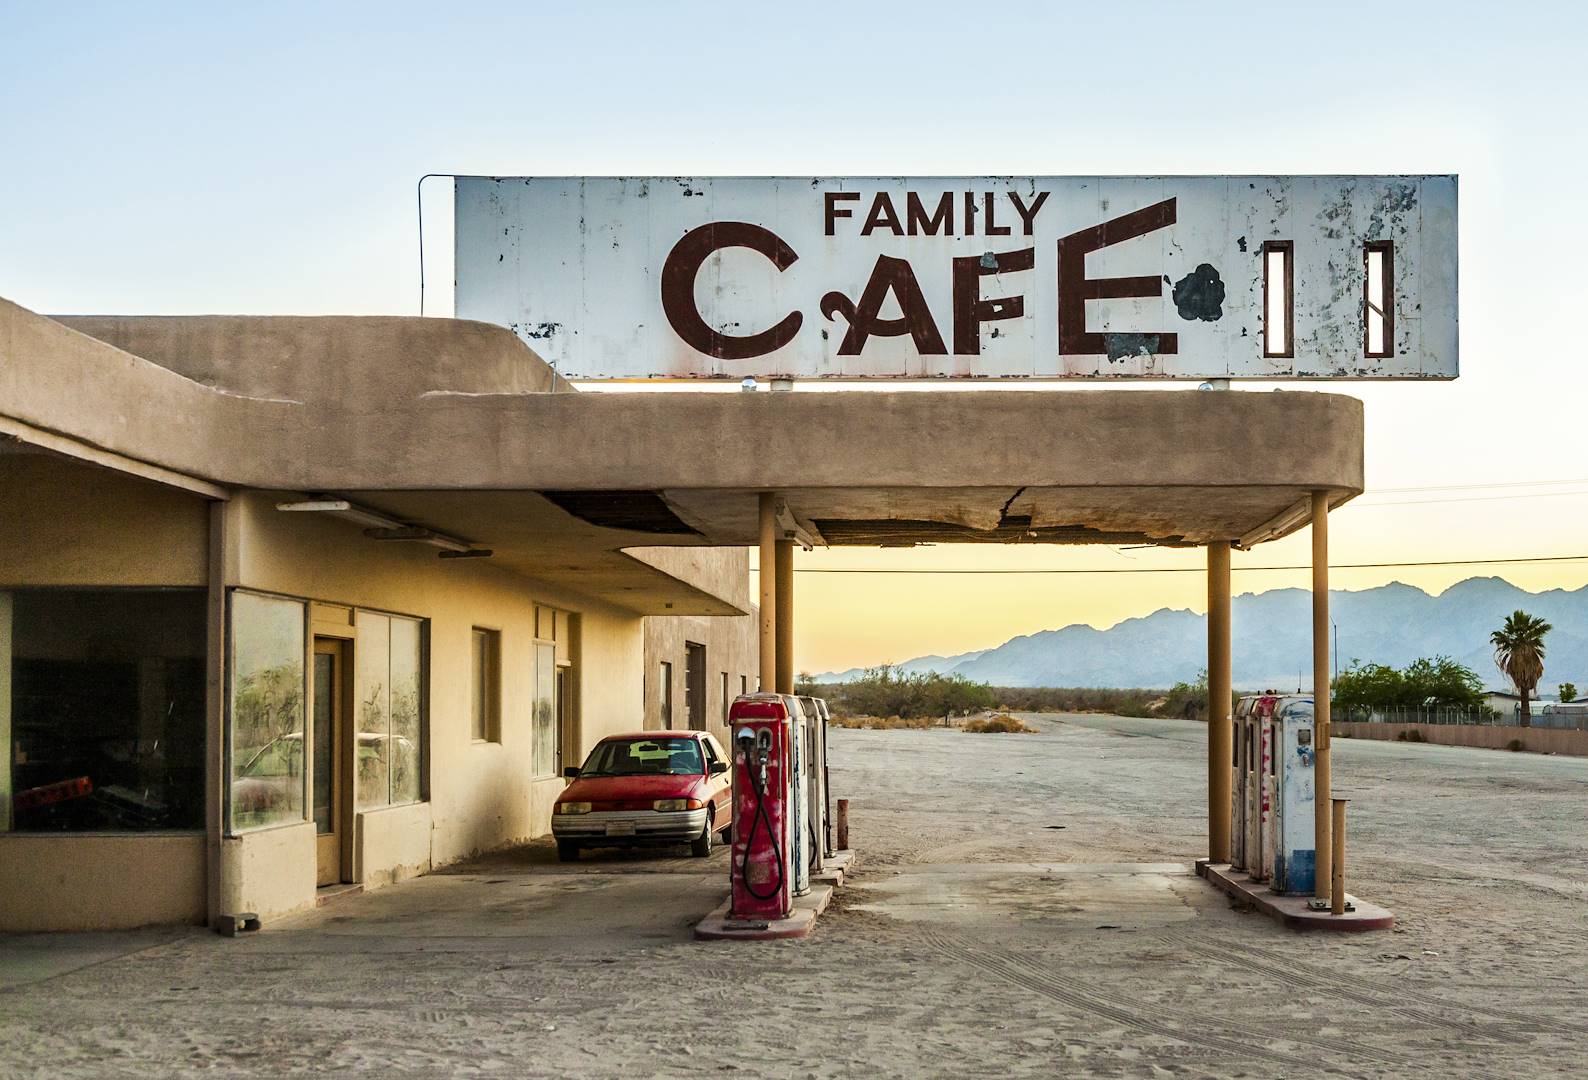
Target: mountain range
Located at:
point(1272, 639)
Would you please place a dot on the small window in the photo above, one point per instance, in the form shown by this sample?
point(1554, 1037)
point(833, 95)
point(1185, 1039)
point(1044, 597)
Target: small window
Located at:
point(485, 698)
point(1378, 299)
point(726, 700)
point(744, 684)
point(1279, 298)
point(666, 697)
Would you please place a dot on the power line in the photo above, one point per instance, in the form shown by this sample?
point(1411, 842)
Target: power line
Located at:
point(1179, 569)
point(1366, 503)
point(1477, 487)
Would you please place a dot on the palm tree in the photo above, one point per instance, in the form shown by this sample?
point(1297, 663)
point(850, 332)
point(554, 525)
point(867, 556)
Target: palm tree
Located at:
point(1519, 652)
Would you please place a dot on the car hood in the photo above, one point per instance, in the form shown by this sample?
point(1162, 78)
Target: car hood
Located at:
point(605, 788)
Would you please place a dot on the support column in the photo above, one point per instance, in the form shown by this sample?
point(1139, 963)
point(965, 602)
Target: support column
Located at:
point(1220, 736)
point(785, 616)
point(768, 576)
point(1321, 689)
point(219, 886)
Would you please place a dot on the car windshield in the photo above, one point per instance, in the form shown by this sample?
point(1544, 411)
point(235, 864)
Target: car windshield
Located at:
point(644, 757)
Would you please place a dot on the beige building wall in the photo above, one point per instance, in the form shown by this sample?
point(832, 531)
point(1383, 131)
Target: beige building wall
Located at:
point(731, 650)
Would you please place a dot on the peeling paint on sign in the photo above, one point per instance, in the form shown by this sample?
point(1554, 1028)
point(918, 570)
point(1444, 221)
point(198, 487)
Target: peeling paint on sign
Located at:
point(980, 277)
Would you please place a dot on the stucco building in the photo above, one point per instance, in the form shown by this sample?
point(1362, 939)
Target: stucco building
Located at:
point(291, 603)
point(220, 696)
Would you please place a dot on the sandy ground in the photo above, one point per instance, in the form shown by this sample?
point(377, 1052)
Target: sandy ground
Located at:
point(1024, 908)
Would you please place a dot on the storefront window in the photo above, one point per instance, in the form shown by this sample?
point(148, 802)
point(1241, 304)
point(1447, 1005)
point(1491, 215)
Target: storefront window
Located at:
point(405, 711)
point(543, 737)
point(102, 709)
point(267, 711)
point(389, 710)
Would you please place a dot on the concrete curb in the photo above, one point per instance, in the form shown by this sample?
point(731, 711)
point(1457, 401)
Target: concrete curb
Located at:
point(1292, 911)
point(718, 926)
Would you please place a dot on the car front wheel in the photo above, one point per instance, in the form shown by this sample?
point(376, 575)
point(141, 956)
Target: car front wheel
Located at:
point(700, 846)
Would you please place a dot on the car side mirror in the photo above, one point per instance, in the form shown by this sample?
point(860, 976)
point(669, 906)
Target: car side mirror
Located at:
point(571, 773)
point(717, 768)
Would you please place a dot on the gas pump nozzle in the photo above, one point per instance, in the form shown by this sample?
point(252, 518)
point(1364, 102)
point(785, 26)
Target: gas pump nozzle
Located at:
point(763, 750)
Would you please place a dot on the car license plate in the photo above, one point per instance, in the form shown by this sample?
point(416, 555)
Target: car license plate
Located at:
point(620, 828)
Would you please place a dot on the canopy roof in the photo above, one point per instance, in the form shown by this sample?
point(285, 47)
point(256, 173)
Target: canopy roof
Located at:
point(458, 427)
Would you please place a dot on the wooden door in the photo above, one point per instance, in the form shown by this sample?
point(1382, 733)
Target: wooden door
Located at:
point(330, 760)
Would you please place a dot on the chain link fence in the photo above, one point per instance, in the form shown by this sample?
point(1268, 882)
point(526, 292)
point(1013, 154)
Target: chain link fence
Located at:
point(1569, 717)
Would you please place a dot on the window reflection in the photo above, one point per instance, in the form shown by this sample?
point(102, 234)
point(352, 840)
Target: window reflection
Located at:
point(267, 711)
point(405, 711)
point(389, 710)
point(372, 663)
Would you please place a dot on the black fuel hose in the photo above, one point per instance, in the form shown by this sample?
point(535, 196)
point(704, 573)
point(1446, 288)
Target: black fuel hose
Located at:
point(749, 840)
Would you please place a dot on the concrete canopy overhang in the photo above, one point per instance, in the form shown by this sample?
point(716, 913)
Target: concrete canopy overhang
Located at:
point(459, 427)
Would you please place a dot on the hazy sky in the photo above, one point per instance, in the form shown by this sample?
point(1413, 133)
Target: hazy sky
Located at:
point(204, 158)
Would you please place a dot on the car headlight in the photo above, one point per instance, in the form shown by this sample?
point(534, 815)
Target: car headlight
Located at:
point(677, 804)
point(573, 808)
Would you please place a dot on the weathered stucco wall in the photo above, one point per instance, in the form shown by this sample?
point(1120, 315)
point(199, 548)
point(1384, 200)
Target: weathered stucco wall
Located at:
point(392, 844)
point(100, 881)
point(268, 872)
point(1486, 736)
point(731, 646)
point(95, 527)
point(483, 795)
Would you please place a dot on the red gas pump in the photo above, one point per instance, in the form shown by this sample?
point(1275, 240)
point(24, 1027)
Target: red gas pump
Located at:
point(760, 873)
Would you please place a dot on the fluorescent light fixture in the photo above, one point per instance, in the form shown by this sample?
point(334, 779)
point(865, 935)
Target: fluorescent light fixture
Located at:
point(379, 526)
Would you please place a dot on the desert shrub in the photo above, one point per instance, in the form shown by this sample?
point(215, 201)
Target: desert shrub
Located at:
point(1412, 735)
point(999, 725)
point(1515, 745)
point(886, 691)
point(884, 723)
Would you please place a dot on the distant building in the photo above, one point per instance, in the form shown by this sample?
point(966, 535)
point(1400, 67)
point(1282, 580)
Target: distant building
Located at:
point(1504, 702)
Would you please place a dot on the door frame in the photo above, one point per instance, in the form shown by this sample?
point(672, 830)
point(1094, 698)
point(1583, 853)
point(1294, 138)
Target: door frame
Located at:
point(340, 645)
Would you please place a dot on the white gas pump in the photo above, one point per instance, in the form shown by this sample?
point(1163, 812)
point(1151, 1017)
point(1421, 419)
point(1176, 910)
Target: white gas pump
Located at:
point(817, 847)
point(799, 800)
point(1240, 766)
point(1294, 856)
point(1259, 793)
point(1251, 793)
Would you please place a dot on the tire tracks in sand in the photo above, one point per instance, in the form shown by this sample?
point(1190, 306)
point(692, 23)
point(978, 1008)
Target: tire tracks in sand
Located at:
point(1234, 1039)
point(1415, 1005)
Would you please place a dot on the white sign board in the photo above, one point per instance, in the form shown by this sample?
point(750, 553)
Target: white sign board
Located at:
point(1251, 277)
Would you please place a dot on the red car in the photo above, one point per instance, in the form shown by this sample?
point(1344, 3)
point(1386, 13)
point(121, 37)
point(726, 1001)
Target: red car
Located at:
point(649, 787)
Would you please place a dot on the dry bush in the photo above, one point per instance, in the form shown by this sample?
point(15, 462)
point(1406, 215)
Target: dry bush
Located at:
point(883, 723)
point(998, 725)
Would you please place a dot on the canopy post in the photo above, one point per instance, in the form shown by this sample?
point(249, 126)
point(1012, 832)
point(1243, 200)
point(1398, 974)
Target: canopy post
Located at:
point(785, 616)
point(768, 581)
point(1323, 779)
point(1220, 737)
